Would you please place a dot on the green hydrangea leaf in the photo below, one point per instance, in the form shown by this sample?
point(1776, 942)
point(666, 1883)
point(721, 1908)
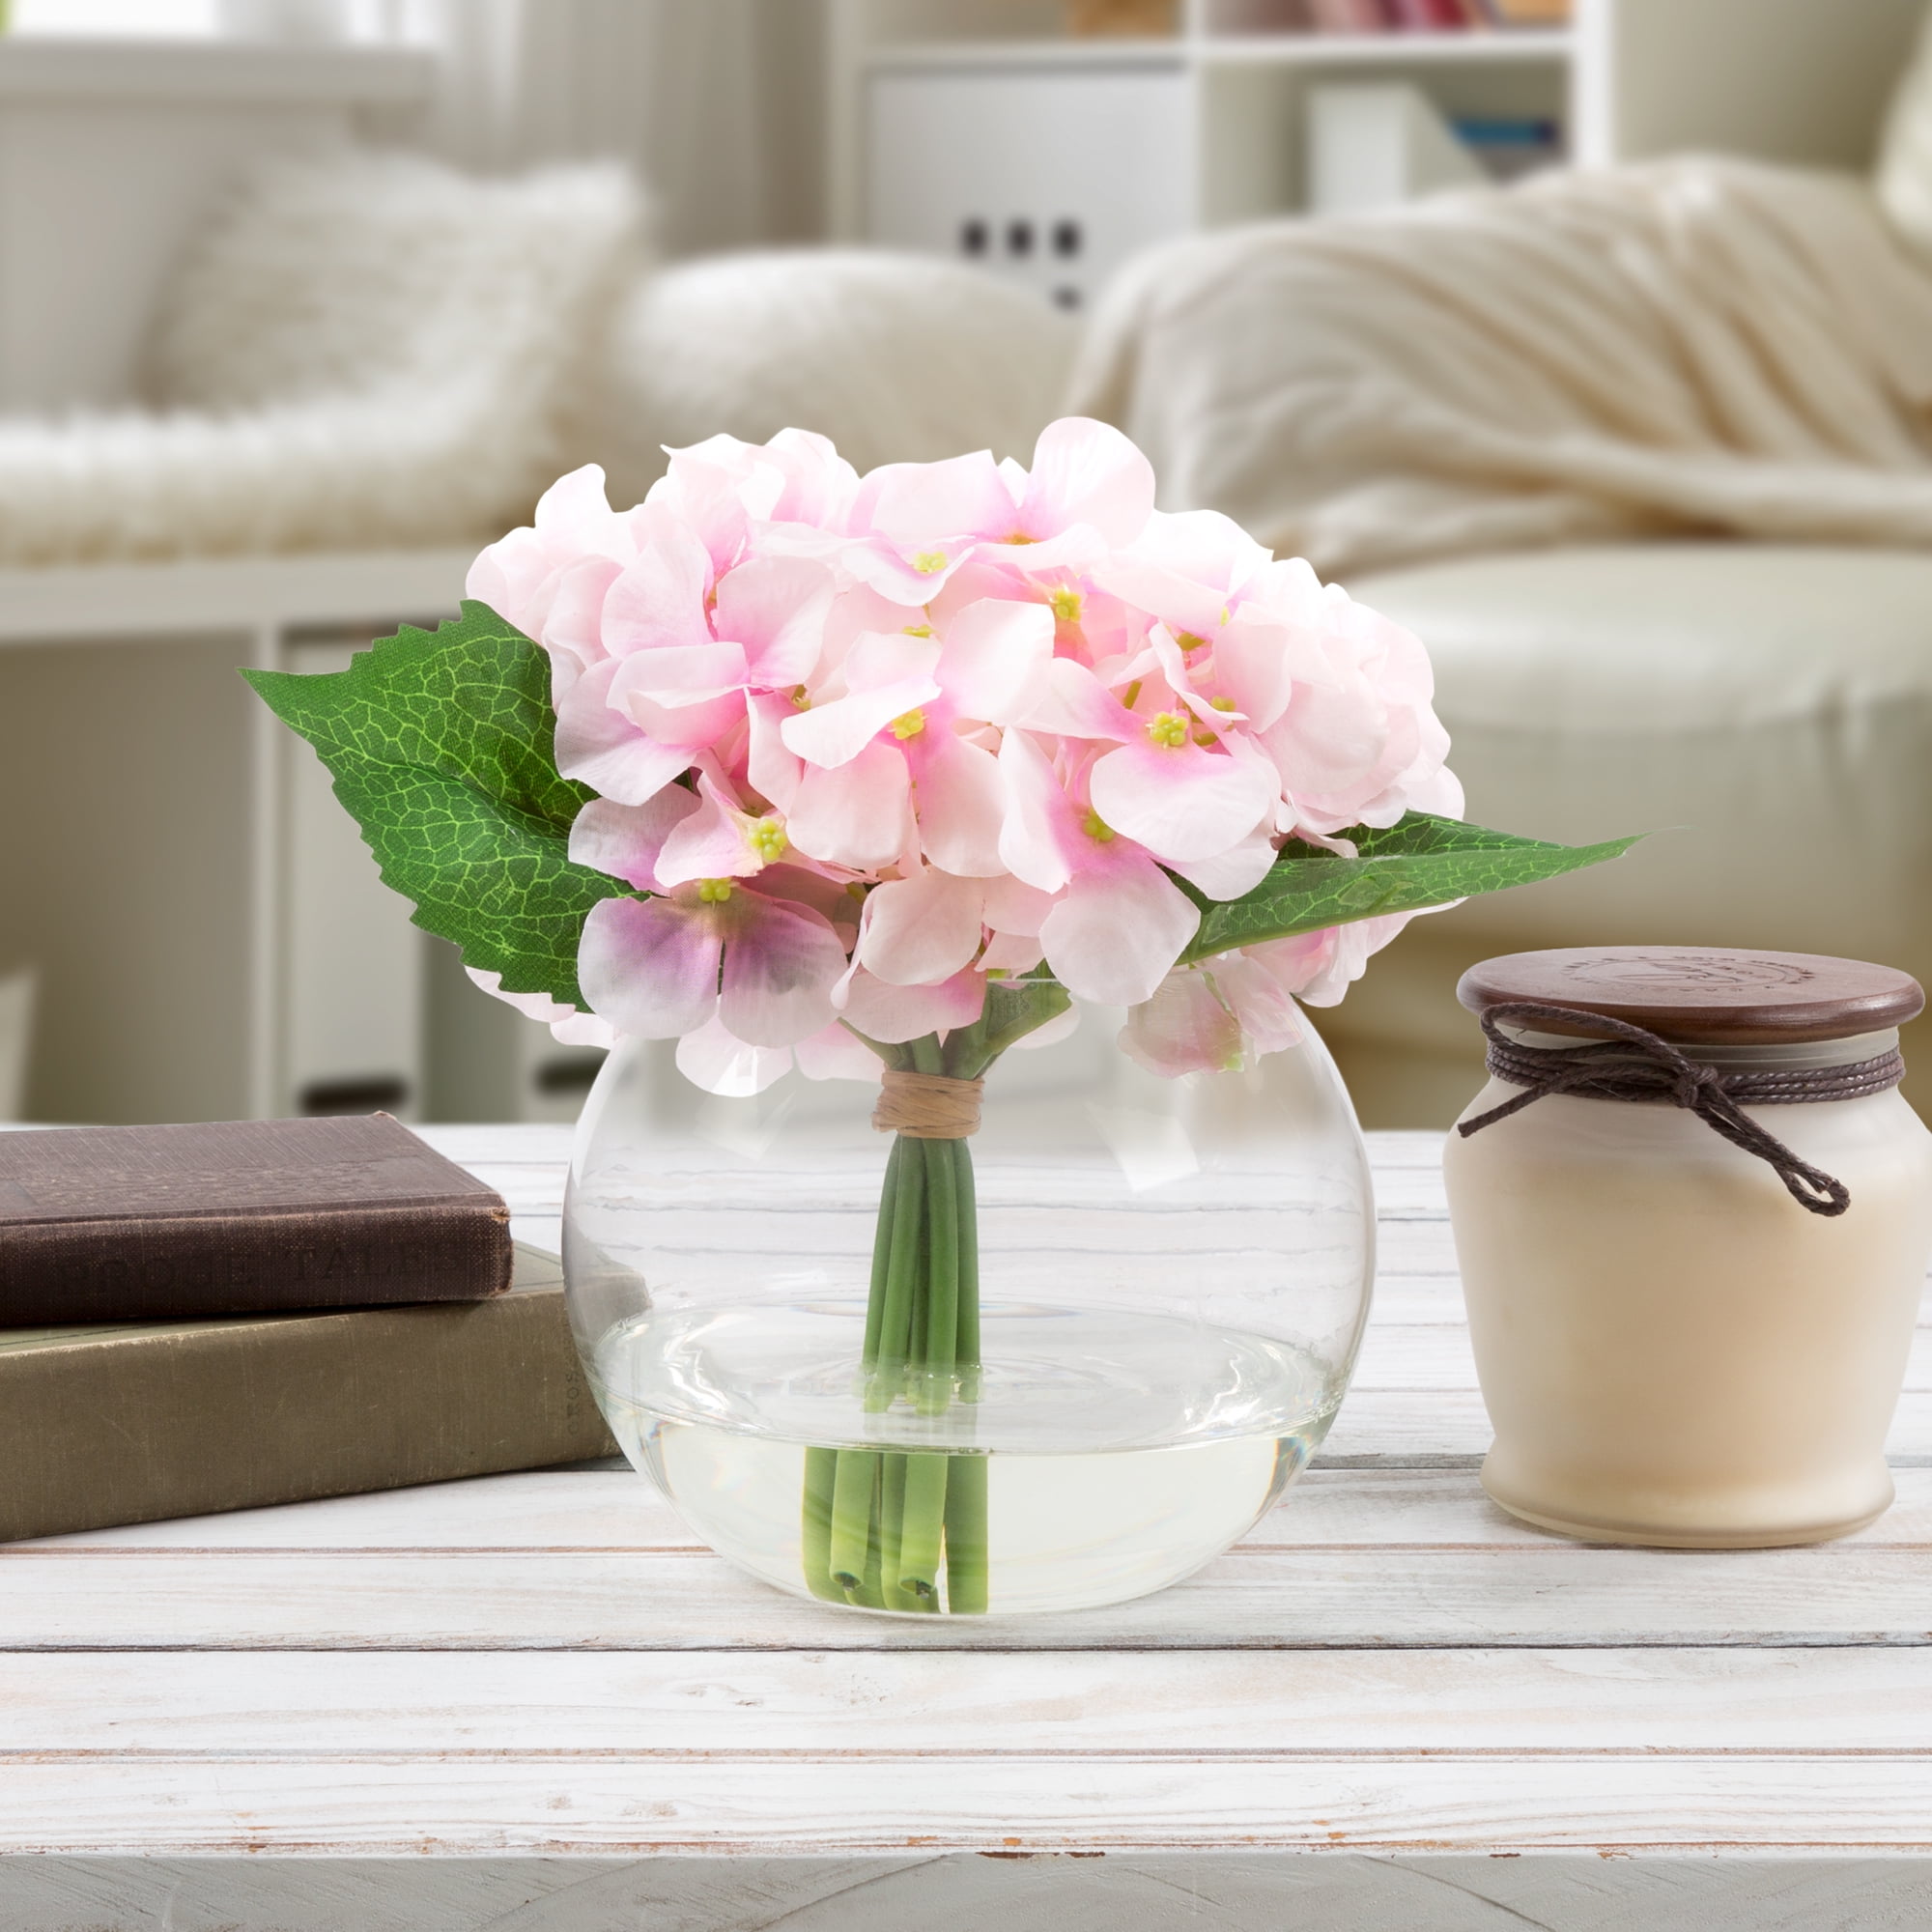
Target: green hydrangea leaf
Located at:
point(1419, 861)
point(440, 745)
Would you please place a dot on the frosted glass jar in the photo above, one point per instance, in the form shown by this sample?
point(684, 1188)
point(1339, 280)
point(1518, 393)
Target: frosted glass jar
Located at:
point(1672, 1349)
point(1175, 1275)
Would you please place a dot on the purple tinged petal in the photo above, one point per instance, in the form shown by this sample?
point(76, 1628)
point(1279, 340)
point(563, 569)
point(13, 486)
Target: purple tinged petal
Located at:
point(781, 960)
point(892, 1014)
point(650, 966)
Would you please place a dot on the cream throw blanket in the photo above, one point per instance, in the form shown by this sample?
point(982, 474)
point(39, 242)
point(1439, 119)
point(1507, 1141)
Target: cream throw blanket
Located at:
point(1697, 346)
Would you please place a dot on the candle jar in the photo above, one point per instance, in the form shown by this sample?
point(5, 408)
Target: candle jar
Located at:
point(1692, 1214)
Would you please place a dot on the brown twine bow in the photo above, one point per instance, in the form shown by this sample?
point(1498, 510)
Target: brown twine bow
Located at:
point(927, 1106)
point(1609, 1070)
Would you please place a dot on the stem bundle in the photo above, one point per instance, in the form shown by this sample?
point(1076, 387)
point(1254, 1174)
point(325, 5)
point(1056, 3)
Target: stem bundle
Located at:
point(890, 1529)
point(881, 1526)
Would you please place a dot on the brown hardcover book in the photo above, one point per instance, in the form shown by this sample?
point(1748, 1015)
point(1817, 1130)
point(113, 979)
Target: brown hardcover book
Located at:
point(115, 1424)
point(137, 1224)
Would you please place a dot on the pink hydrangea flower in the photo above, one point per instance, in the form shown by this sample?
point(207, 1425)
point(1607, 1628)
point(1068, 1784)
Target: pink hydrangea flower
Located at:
point(861, 742)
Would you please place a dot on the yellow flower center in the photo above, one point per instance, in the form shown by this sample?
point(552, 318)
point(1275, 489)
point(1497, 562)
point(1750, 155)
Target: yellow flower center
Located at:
point(1095, 827)
point(1189, 642)
point(800, 699)
point(1019, 537)
point(766, 837)
point(1067, 604)
point(714, 891)
point(1222, 705)
point(909, 725)
point(1167, 727)
point(929, 562)
point(917, 631)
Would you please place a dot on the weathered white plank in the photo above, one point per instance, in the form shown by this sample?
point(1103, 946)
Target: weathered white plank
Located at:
point(613, 1508)
point(1556, 1593)
point(1255, 1703)
point(949, 1800)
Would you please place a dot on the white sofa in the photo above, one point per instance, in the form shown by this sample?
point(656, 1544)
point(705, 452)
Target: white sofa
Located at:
point(1764, 711)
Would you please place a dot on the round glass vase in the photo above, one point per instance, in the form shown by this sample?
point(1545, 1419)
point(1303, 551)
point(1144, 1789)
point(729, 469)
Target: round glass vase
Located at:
point(1135, 1307)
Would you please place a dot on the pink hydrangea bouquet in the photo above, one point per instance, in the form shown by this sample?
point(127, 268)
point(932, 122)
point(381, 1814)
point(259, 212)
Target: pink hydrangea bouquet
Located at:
point(873, 776)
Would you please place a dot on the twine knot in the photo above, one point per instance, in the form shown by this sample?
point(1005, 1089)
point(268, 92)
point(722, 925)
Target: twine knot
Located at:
point(1634, 1065)
point(927, 1106)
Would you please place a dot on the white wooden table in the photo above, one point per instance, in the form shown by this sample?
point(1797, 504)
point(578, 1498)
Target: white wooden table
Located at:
point(534, 1702)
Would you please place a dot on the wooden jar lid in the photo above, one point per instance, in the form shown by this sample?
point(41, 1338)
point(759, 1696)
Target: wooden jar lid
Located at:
point(1710, 994)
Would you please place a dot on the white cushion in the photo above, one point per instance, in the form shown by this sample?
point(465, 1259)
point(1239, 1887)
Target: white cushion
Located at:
point(1763, 711)
point(1903, 176)
point(897, 359)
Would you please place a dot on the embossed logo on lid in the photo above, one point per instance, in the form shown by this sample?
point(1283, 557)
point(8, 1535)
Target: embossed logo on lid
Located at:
point(1690, 974)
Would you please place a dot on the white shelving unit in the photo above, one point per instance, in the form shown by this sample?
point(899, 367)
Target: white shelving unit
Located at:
point(210, 935)
point(1800, 80)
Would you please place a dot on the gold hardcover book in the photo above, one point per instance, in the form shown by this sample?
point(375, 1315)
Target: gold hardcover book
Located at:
point(117, 1423)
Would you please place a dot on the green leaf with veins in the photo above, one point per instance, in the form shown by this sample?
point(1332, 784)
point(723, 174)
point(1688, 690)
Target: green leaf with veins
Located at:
point(1417, 863)
point(442, 748)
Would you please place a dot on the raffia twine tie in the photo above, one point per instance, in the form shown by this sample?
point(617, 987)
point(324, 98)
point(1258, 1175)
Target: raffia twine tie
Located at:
point(1637, 1065)
point(928, 1106)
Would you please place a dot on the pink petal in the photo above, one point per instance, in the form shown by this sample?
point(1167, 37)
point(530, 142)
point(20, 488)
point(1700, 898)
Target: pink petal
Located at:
point(574, 514)
point(1012, 953)
point(568, 1025)
point(1254, 662)
point(891, 1013)
point(1118, 931)
point(658, 600)
point(625, 840)
point(993, 666)
point(1183, 1028)
point(1179, 801)
point(1269, 1019)
point(601, 748)
point(960, 800)
point(858, 814)
point(1087, 472)
point(1015, 906)
point(833, 734)
point(1040, 834)
point(708, 844)
point(716, 1059)
point(650, 966)
point(836, 1053)
point(921, 504)
point(1076, 704)
point(781, 960)
point(776, 607)
point(923, 929)
point(772, 768)
point(1239, 870)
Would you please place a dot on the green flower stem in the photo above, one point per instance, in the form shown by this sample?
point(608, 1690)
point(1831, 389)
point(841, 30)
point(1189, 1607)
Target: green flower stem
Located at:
point(821, 1476)
point(934, 1393)
point(854, 1503)
point(923, 1526)
point(966, 1566)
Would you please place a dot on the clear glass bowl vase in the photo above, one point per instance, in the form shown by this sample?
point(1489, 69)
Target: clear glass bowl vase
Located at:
point(1172, 1279)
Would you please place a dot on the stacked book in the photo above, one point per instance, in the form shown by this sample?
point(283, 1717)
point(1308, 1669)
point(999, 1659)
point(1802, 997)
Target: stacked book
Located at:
point(1429, 17)
point(217, 1316)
